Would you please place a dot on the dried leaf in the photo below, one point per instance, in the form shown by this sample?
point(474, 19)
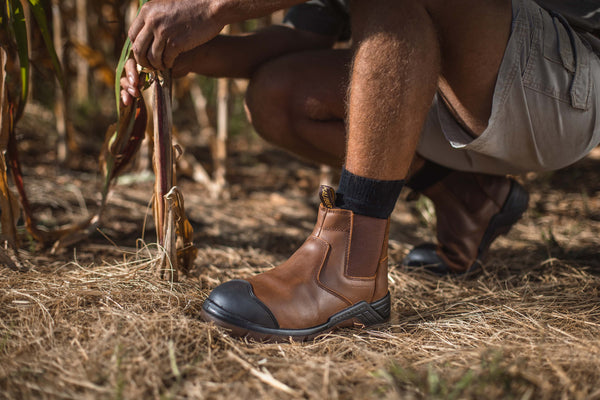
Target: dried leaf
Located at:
point(178, 252)
point(186, 251)
point(77, 232)
point(123, 140)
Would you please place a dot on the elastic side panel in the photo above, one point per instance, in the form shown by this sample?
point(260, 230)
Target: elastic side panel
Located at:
point(365, 247)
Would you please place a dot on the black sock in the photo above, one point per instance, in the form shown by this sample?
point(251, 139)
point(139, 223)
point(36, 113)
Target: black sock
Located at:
point(428, 175)
point(365, 196)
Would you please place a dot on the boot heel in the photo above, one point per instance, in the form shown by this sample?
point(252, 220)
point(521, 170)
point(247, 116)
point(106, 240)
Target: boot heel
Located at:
point(383, 307)
point(515, 205)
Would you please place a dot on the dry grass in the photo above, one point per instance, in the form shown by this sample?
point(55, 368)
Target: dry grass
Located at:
point(115, 331)
point(96, 322)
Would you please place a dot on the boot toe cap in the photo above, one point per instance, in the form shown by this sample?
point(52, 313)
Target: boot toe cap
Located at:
point(235, 303)
point(426, 256)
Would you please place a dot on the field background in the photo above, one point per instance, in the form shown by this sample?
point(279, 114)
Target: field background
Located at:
point(94, 322)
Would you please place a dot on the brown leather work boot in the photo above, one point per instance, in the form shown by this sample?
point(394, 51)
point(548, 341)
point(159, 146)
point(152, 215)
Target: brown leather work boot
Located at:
point(472, 210)
point(337, 278)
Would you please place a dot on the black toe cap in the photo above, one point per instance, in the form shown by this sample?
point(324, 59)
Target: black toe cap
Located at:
point(425, 255)
point(234, 302)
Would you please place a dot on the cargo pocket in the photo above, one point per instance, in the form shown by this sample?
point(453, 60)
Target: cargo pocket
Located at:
point(563, 69)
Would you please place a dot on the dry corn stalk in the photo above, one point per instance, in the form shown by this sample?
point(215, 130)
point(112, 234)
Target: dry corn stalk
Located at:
point(60, 109)
point(220, 144)
point(173, 230)
point(83, 70)
point(163, 149)
point(8, 202)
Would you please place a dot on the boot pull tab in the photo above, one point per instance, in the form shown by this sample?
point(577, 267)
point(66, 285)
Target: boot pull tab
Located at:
point(327, 196)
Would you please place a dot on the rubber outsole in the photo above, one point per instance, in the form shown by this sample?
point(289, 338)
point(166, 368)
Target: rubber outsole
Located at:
point(361, 314)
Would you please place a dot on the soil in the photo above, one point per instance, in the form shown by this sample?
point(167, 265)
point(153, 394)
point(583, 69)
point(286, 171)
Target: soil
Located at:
point(94, 321)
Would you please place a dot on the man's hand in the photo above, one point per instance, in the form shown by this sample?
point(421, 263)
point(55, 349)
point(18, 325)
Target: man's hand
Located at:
point(130, 83)
point(165, 28)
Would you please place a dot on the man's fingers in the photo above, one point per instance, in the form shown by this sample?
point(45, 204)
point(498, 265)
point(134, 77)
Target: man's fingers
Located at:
point(137, 25)
point(141, 45)
point(129, 83)
point(131, 72)
point(127, 87)
point(155, 54)
point(126, 98)
point(170, 53)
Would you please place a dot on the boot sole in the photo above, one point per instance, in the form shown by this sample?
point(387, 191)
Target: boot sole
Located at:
point(362, 313)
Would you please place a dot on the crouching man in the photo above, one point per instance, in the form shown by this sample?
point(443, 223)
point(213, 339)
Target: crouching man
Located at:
point(444, 97)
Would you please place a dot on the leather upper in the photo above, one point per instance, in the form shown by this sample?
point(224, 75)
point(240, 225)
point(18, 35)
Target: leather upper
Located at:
point(343, 262)
point(464, 204)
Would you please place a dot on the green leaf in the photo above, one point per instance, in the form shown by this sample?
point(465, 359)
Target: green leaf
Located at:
point(7, 10)
point(40, 16)
point(122, 60)
point(19, 27)
point(125, 53)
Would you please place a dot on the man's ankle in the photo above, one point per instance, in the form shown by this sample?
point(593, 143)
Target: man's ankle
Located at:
point(365, 196)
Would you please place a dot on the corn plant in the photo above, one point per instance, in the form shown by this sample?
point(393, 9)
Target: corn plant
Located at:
point(122, 142)
point(173, 230)
point(15, 28)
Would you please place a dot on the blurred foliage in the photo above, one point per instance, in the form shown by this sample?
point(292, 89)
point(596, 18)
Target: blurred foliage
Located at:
point(38, 52)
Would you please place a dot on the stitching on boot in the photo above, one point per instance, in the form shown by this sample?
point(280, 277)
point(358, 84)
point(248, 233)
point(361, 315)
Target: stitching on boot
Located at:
point(317, 275)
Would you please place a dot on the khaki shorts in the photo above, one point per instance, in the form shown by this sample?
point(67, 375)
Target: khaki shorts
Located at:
point(546, 105)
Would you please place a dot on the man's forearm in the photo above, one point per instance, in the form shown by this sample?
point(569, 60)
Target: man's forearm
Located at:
point(231, 11)
point(163, 29)
point(240, 56)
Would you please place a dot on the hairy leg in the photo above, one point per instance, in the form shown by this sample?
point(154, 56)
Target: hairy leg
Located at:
point(403, 50)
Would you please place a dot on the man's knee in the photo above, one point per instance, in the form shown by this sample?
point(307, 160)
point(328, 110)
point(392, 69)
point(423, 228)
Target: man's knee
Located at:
point(268, 99)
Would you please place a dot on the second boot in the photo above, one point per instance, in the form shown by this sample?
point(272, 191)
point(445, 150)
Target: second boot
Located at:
point(472, 210)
